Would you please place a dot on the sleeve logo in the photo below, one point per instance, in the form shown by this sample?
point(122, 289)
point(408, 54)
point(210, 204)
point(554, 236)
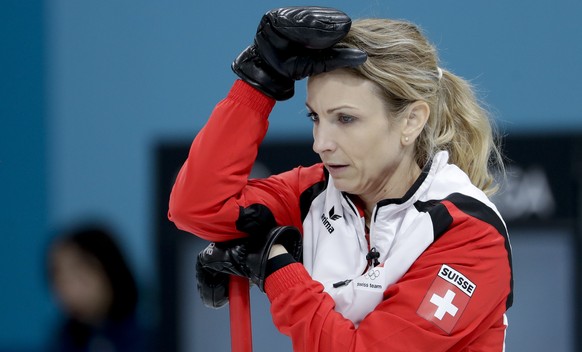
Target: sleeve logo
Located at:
point(446, 298)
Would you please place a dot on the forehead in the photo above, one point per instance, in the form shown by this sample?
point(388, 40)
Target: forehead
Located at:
point(341, 86)
point(67, 255)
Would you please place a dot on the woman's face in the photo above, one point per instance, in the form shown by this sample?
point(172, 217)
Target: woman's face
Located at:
point(80, 283)
point(357, 138)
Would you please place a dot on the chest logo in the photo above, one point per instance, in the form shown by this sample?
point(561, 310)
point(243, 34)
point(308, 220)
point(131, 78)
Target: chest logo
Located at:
point(446, 298)
point(326, 220)
point(372, 281)
point(333, 215)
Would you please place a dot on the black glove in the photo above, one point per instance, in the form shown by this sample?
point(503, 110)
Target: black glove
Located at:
point(248, 257)
point(292, 43)
point(212, 285)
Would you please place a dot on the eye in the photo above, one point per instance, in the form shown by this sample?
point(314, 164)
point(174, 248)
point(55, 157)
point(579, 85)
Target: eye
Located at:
point(313, 116)
point(346, 118)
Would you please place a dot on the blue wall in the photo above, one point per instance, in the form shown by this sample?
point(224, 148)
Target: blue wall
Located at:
point(90, 88)
point(24, 306)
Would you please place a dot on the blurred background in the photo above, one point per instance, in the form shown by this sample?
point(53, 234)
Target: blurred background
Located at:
point(99, 101)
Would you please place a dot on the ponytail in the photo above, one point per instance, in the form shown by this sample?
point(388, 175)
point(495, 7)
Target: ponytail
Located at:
point(463, 127)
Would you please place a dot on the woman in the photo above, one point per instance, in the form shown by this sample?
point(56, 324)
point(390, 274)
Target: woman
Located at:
point(402, 249)
point(97, 292)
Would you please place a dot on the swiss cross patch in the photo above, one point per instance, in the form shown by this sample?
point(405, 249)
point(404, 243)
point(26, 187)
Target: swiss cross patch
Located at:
point(446, 298)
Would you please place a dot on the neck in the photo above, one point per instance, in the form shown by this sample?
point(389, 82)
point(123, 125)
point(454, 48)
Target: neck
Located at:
point(391, 190)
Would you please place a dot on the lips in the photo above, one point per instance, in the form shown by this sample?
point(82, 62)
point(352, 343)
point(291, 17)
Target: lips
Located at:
point(335, 168)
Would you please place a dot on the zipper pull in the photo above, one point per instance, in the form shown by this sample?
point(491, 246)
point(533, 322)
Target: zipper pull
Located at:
point(372, 257)
point(341, 283)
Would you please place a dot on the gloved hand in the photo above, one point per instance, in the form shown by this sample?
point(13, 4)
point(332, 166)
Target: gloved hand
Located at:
point(248, 257)
point(212, 285)
point(293, 43)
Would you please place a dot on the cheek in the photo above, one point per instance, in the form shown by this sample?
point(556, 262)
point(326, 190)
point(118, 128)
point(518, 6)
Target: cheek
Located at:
point(381, 156)
point(374, 145)
point(73, 293)
point(81, 290)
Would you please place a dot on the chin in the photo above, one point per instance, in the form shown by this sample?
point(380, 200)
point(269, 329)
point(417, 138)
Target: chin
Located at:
point(341, 186)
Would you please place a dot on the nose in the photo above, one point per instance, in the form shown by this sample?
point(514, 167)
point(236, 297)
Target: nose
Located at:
point(322, 138)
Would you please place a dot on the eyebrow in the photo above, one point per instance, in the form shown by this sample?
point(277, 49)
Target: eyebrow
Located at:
point(332, 110)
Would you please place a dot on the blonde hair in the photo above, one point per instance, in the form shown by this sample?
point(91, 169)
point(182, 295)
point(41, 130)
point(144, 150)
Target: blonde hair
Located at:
point(404, 65)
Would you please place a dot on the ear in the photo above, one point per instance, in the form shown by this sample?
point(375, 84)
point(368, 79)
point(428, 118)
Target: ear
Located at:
point(416, 116)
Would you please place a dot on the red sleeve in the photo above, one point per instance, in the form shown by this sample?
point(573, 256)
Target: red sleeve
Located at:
point(212, 185)
point(405, 319)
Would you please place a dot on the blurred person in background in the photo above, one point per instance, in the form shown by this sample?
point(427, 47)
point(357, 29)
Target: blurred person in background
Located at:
point(96, 291)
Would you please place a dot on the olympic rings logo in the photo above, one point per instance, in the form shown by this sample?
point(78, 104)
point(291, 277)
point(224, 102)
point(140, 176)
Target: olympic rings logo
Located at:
point(372, 274)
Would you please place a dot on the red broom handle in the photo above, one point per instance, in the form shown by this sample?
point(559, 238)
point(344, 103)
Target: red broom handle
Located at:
point(241, 335)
